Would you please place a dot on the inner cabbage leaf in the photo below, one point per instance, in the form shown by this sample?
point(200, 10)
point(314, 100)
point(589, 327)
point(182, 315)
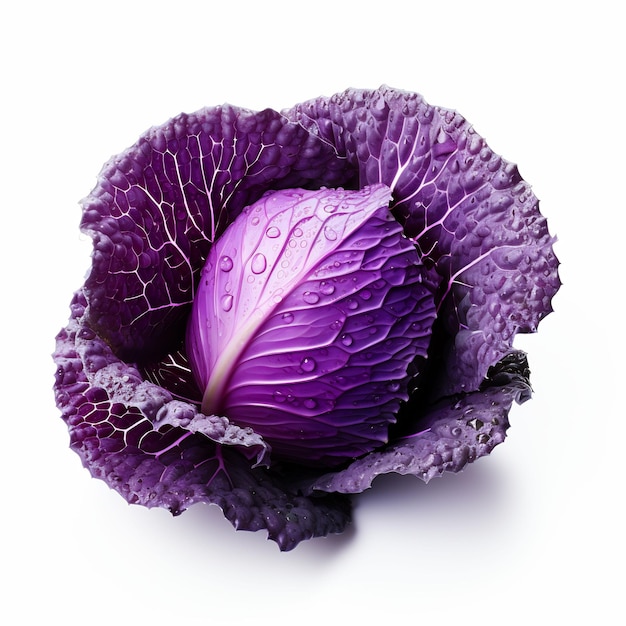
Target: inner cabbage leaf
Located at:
point(310, 309)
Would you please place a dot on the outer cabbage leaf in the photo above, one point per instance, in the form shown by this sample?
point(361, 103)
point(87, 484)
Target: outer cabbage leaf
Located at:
point(157, 451)
point(158, 207)
point(467, 209)
point(454, 432)
point(309, 312)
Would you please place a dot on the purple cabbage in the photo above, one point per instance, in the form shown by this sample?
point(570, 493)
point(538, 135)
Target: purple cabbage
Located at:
point(210, 358)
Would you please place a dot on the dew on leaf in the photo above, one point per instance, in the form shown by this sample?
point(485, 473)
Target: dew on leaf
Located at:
point(259, 263)
point(326, 288)
point(311, 297)
point(279, 397)
point(330, 233)
point(226, 264)
point(308, 364)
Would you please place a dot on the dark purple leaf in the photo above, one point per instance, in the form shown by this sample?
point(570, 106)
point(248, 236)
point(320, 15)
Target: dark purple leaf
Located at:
point(158, 207)
point(467, 209)
point(454, 432)
point(156, 451)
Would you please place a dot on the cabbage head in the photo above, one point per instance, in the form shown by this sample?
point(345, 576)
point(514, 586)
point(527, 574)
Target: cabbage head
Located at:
point(282, 306)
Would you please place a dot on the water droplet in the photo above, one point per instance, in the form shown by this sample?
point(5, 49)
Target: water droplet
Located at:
point(393, 386)
point(346, 340)
point(255, 221)
point(353, 305)
point(309, 403)
point(227, 302)
point(366, 294)
point(272, 232)
point(310, 297)
point(330, 233)
point(308, 364)
point(297, 232)
point(279, 397)
point(259, 263)
point(336, 325)
point(287, 318)
point(475, 423)
point(456, 431)
point(226, 264)
point(326, 288)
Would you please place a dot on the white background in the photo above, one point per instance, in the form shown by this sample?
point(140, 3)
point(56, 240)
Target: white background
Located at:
point(534, 533)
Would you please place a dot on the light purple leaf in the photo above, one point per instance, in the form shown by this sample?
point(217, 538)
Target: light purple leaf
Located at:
point(310, 309)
